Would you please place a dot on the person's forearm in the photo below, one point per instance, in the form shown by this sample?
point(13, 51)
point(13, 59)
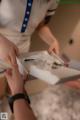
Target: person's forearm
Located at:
point(22, 110)
point(46, 35)
point(1, 36)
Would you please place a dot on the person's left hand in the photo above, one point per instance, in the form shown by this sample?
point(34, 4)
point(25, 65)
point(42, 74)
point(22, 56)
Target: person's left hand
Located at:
point(54, 47)
point(15, 80)
point(73, 84)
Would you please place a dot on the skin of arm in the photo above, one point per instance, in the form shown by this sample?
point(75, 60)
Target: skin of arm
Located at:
point(22, 110)
point(46, 35)
point(73, 84)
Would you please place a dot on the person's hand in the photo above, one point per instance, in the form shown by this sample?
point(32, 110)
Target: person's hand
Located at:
point(73, 84)
point(15, 80)
point(8, 50)
point(54, 47)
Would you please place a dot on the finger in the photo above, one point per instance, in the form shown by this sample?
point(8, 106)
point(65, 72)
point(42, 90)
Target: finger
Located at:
point(74, 84)
point(8, 73)
point(13, 58)
point(12, 66)
point(15, 70)
point(17, 51)
point(56, 51)
point(8, 76)
point(8, 59)
point(50, 50)
point(24, 77)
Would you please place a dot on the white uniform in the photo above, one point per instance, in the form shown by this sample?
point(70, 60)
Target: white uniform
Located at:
point(11, 18)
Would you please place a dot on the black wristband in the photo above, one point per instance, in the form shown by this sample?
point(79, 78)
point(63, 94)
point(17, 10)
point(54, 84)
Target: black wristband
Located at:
point(11, 99)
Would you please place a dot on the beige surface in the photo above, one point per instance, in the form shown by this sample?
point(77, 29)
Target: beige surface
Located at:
point(35, 86)
point(72, 51)
point(32, 87)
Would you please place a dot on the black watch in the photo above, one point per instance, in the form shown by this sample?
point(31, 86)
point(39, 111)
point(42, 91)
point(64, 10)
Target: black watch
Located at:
point(11, 99)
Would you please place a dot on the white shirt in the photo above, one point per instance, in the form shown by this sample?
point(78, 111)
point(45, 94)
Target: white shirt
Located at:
point(12, 15)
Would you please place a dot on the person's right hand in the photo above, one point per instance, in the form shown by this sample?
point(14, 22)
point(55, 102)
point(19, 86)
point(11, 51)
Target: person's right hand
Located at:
point(73, 84)
point(8, 50)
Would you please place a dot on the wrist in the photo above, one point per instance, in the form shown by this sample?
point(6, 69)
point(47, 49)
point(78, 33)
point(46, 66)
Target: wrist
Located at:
point(52, 41)
point(17, 91)
point(17, 97)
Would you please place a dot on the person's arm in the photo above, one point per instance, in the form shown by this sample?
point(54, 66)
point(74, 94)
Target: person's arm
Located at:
point(21, 108)
point(73, 84)
point(44, 31)
point(46, 35)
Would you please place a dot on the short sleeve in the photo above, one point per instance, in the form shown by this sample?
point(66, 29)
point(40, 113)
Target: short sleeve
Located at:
point(52, 9)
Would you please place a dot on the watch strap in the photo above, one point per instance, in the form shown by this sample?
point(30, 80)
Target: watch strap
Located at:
point(12, 99)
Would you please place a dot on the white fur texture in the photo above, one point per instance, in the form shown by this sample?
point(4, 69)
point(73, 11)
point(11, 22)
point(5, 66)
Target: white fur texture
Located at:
point(57, 103)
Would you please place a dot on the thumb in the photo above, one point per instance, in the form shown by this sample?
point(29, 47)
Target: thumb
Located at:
point(50, 49)
point(56, 51)
point(17, 51)
point(53, 49)
point(8, 73)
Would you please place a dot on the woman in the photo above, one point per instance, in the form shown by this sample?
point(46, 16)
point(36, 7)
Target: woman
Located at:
point(13, 23)
point(14, 40)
